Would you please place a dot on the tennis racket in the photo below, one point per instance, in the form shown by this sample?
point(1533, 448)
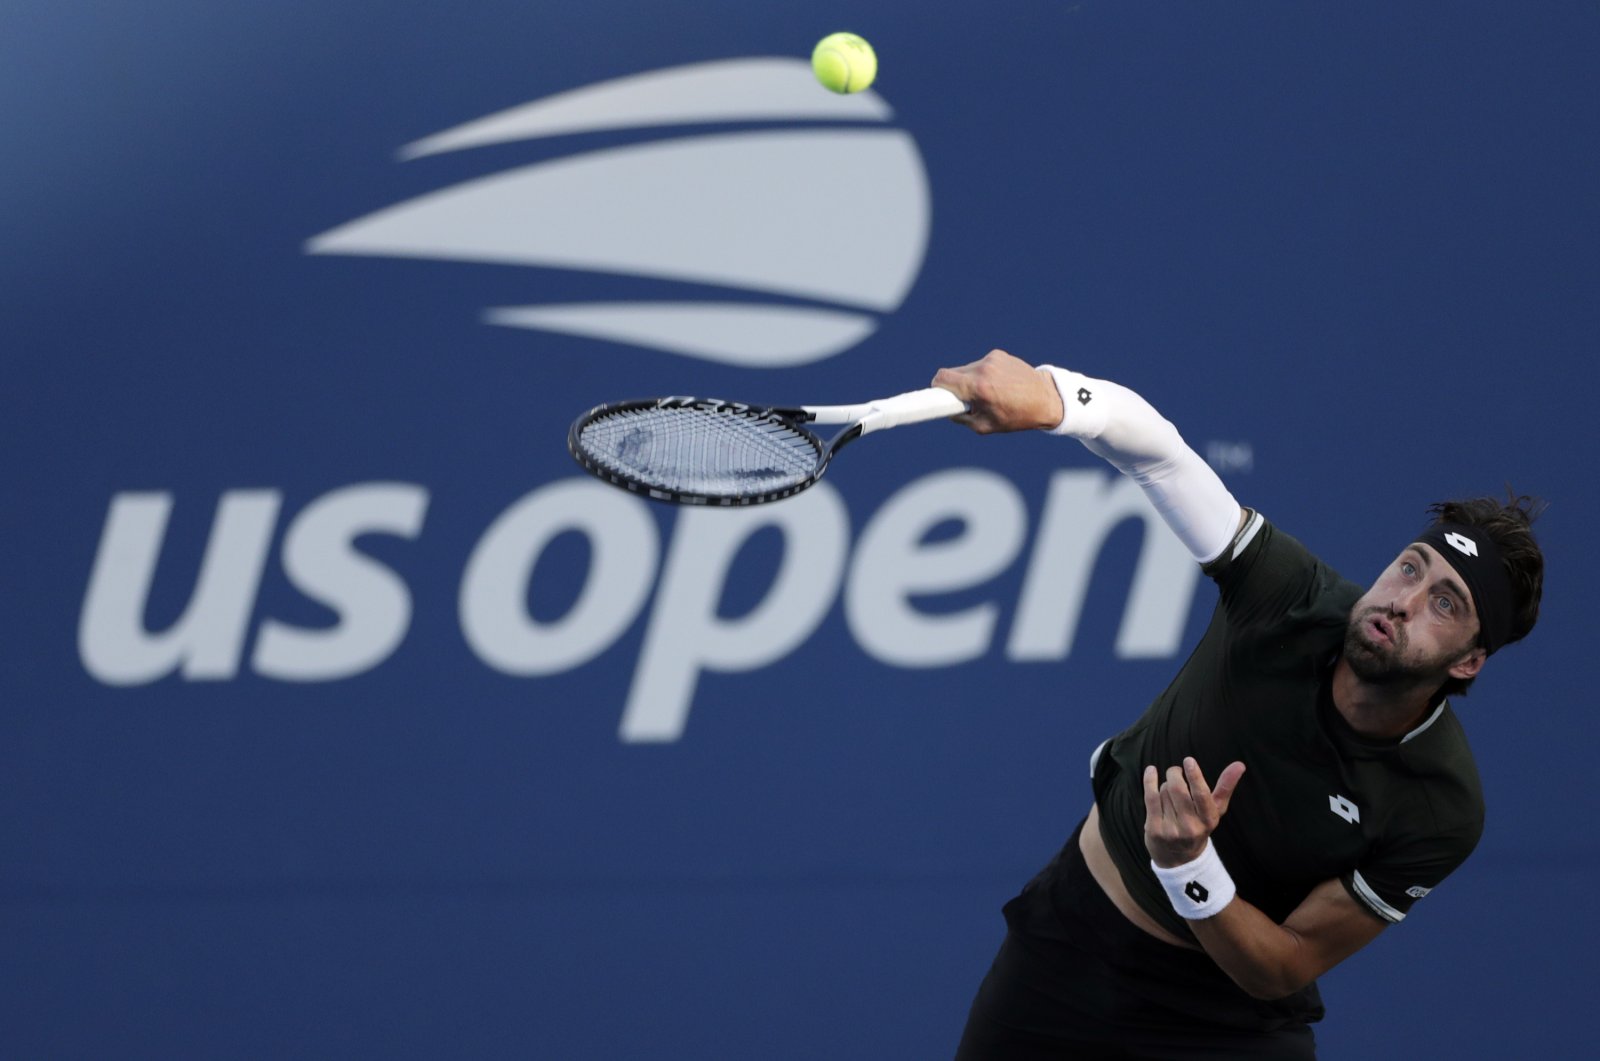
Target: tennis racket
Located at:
point(703, 451)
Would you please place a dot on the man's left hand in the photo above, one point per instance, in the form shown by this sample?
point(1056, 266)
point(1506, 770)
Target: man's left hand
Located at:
point(1181, 813)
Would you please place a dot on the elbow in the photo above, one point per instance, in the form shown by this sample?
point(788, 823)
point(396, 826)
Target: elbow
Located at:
point(1271, 986)
point(1276, 973)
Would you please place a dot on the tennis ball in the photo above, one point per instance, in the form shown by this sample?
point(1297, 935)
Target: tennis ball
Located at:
point(844, 62)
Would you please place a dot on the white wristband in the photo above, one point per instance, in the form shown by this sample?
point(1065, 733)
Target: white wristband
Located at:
point(1198, 889)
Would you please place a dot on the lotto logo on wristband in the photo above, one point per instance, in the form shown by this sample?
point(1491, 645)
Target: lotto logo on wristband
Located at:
point(1198, 889)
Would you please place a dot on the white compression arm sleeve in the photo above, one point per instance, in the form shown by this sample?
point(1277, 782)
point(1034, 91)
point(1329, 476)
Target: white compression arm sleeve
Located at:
point(1117, 424)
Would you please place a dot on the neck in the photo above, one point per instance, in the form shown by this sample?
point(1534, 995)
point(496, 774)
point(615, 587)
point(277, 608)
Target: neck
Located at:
point(1383, 712)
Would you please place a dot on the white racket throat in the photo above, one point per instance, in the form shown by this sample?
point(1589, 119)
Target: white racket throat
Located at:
point(912, 407)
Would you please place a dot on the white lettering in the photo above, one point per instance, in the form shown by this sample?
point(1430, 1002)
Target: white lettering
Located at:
point(207, 640)
point(893, 562)
point(1081, 509)
point(496, 584)
point(898, 563)
point(320, 558)
point(685, 635)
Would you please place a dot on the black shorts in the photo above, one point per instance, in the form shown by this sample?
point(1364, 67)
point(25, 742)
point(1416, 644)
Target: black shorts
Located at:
point(1076, 979)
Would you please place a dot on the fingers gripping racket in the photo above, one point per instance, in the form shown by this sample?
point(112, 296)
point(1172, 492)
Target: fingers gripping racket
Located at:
point(703, 451)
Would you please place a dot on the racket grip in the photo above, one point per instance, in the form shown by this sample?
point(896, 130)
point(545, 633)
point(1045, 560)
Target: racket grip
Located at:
point(913, 407)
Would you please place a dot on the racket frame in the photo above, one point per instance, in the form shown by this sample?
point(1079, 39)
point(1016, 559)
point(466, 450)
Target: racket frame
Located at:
point(860, 419)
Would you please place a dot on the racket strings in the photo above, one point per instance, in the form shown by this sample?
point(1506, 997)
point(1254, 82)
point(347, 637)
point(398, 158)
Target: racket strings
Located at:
point(713, 450)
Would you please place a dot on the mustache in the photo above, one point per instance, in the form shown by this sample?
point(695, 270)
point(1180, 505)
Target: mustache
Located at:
point(1397, 630)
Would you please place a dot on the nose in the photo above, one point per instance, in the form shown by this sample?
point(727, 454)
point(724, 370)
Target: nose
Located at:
point(1405, 603)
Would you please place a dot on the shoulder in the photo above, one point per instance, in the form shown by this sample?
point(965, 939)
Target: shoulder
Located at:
point(1433, 822)
point(1440, 763)
point(1265, 569)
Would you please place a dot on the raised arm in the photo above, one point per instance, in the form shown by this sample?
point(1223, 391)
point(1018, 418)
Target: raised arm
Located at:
point(1007, 394)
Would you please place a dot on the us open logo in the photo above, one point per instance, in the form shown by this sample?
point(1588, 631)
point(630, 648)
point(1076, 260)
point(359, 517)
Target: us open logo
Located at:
point(749, 211)
point(834, 220)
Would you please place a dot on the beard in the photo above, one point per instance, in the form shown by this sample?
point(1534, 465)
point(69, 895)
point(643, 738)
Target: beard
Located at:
point(1387, 662)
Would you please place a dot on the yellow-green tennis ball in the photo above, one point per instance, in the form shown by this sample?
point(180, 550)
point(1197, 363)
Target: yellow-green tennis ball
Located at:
point(844, 62)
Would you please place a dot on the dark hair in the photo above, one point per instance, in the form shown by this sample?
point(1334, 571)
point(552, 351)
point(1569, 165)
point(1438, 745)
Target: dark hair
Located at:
point(1510, 524)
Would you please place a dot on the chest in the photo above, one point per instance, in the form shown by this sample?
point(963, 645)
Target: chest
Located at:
point(1305, 819)
point(1305, 811)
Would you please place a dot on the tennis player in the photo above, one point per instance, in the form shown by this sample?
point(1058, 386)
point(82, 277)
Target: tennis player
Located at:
point(1300, 784)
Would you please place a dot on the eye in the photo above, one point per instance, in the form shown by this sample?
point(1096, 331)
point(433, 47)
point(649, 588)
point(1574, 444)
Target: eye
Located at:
point(1407, 568)
point(1447, 605)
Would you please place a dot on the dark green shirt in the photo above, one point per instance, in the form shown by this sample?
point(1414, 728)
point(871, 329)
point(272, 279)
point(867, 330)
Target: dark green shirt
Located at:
point(1390, 819)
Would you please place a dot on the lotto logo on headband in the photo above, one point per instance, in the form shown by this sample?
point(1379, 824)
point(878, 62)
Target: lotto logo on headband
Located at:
point(1485, 577)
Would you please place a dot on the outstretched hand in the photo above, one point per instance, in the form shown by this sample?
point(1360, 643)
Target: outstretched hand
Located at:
point(1003, 393)
point(1181, 813)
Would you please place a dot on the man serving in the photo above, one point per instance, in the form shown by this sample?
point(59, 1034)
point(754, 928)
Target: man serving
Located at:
point(1299, 785)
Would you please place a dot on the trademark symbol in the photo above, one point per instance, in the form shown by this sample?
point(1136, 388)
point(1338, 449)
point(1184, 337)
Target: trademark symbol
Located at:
point(1230, 456)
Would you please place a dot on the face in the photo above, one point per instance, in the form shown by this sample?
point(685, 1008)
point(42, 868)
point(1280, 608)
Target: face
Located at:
point(1416, 625)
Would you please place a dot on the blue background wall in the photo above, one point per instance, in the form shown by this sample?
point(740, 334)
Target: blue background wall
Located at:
point(1348, 248)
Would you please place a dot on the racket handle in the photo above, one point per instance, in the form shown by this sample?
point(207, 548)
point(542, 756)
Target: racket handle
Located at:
point(913, 407)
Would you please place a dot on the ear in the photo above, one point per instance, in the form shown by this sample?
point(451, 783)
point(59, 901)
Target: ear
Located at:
point(1469, 665)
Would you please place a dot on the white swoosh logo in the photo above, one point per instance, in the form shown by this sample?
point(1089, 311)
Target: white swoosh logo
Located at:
point(833, 215)
point(716, 331)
